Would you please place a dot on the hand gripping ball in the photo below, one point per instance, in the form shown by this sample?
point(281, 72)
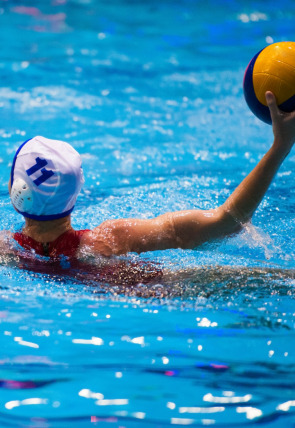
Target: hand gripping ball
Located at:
point(272, 69)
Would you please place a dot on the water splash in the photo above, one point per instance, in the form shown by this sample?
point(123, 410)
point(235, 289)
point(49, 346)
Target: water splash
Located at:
point(257, 238)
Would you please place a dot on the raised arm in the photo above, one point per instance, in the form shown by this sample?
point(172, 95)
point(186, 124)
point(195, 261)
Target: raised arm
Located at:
point(248, 195)
point(188, 229)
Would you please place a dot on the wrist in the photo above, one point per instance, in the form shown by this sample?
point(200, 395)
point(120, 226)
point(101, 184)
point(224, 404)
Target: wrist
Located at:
point(280, 148)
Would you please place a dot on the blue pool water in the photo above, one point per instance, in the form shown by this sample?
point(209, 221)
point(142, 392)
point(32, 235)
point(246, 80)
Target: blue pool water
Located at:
point(150, 94)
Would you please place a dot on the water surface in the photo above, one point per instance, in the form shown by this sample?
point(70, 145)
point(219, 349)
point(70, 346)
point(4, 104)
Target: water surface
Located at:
point(150, 94)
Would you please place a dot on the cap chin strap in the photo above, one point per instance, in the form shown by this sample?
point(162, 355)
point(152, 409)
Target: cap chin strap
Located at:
point(21, 195)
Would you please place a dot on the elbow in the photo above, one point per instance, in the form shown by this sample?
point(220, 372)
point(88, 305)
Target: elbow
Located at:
point(227, 223)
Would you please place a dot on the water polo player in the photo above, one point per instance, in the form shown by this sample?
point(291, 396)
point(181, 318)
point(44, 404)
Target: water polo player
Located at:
point(46, 178)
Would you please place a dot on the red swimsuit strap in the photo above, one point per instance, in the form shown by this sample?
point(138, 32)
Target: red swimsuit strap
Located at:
point(66, 244)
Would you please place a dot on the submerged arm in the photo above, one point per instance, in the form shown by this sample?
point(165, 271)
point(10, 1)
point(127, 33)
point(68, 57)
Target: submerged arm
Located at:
point(188, 229)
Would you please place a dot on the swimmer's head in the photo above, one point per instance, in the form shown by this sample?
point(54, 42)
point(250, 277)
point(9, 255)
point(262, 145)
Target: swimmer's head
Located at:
point(46, 178)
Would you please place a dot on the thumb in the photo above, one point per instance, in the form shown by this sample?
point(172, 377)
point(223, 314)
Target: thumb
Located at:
point(272, 105)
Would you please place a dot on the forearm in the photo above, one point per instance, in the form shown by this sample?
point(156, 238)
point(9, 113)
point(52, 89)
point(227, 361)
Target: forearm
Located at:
point(194, 227)
point(240, 206)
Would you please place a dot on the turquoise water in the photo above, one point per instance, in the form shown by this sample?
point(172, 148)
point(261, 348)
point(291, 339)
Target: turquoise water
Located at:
point(150, 94)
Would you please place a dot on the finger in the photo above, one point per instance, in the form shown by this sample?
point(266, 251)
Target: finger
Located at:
point(272, 105)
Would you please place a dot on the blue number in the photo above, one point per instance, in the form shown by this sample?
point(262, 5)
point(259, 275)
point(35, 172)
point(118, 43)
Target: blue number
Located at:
point(40, 163)
point(45, 173)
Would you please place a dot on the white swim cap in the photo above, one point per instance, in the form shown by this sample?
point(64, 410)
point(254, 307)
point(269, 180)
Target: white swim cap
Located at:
point(46, 178)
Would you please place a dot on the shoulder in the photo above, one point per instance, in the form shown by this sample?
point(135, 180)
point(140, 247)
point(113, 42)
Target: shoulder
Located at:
point(104, 239)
